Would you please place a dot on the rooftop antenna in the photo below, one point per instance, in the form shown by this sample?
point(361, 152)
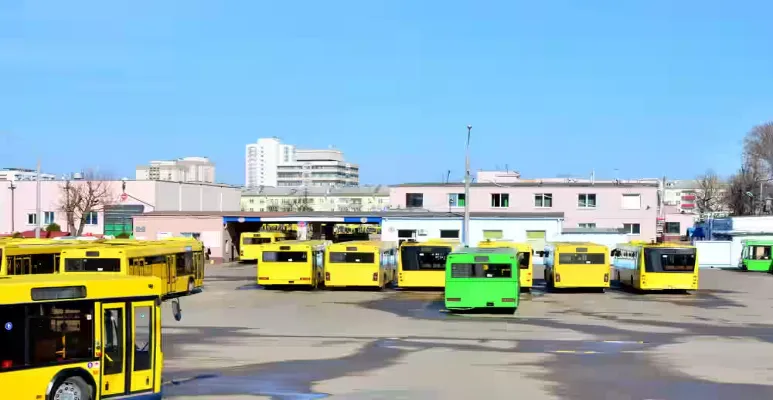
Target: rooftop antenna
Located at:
point(593, 177)
point(507, 169)
point(448, 175)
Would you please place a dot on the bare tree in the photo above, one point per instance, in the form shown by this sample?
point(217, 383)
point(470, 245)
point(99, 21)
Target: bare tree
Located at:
point(272, 208)
point(709, 194)
point(79, 198)
point(742, 191)
point(297, 205)
point(758, 145)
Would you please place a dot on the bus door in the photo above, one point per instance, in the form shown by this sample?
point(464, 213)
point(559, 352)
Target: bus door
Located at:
point(113, 349)
point(171, 274)
point(142, 361)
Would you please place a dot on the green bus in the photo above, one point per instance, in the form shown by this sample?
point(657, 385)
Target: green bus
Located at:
point(482, 278)
point(756, 256)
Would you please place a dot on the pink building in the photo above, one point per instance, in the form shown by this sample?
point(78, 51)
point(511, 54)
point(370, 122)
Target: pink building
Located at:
point(18, 203)
point(632, 206)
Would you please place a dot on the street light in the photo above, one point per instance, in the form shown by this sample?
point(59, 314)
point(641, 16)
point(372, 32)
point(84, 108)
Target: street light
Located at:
point(12, 187)
point(466, 227)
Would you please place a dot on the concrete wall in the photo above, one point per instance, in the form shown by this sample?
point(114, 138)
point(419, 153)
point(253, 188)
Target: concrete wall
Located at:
point(513, 229)
point(153, 195)
point(210, 229)
point(608, 212)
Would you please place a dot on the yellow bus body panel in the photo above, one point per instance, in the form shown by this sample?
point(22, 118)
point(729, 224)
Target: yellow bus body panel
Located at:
point(14, 248)
point(423, 279)
point(580, 275)
point(32, 383)
point(251, 252)
point(360, 274)
point(173, 283)
point(526, 278)
point(640, 279)
point(291, 273)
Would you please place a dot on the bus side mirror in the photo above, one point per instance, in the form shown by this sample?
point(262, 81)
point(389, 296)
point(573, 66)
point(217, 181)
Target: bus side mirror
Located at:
point(177, 310)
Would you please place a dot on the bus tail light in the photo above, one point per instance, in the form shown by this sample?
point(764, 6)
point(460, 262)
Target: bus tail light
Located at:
point(558, 278)
point(241, 253)
point(7, 364)
point(453, 299)
point(606, 278)
point(375, 277)
point(327, 276)
point(508, 300)
point(262, 278)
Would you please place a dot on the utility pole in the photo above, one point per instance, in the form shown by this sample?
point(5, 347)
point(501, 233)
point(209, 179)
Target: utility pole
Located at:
point(37, 203)
point(466, 228)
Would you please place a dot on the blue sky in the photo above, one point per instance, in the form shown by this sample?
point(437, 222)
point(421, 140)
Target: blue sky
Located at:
point(650, 88)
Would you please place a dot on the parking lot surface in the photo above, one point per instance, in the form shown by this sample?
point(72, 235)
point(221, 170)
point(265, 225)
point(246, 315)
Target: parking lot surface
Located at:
point(239, 341)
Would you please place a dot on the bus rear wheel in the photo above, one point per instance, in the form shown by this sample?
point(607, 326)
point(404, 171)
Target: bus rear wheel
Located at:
point(73, 387)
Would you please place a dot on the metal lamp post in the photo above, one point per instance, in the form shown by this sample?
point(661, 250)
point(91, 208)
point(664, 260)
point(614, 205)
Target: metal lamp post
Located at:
point(466, 227)
point(12, 187)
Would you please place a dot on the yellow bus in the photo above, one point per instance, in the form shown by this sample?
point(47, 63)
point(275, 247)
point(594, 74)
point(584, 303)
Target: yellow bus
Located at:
point(179, 263)
point(251, 242)
point(292, 262)
point(525, 259)
point(576, 265)
point(423, 264)
point(22, 258)
point(88, 336)
point(360, 263)
point(656, 266)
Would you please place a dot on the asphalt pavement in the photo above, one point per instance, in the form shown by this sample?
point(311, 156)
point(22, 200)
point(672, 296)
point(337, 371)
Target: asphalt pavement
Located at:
point(240, 341)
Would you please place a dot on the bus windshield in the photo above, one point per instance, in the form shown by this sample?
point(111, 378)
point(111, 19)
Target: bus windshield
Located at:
point(669, 260)
point(481, 270)
point(92, 265)
point(256, 240)
point(581, 258)
point(285, 256)
point(415, 258)
point(352, 258)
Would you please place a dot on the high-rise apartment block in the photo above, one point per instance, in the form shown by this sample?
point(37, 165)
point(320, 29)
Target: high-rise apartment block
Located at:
point(271, 163)
point(187, 169)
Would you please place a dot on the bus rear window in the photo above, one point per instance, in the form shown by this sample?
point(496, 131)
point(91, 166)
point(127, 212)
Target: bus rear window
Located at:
point(669, 260)
point(523, 259)
point(92, 265)
point(481, 270)
point(256, 240)
point(581, 258)
point(424, 258)
point(285, 256)
point(352, 258)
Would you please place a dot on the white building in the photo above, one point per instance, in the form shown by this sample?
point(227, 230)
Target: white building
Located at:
point(187, 169)
point(22, 174)
point(362, 198)
point(271, 163)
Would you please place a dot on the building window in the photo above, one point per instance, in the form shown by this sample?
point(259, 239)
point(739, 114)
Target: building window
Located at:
point(456, 200)
point(500, 200)
point(252, 201)
point(493, 234)
point(586, 200)
point(632, 229)
point(543, 200)
point(48, 217)
point(631, 202)
point(414, 200)
point(32, 219)
point(587, 225)
point(673, 228)
point(91, 218)
point(449, 234)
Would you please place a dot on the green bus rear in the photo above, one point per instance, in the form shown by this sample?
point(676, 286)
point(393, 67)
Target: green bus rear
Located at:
point(482, 278)
point(756, 256)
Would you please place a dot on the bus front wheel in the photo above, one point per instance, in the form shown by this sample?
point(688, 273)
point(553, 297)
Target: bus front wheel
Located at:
point(73, 387)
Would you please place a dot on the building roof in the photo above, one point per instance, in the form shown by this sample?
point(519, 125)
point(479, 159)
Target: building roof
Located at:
point(382, 214)
point(537, 183)
point(379, 190)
